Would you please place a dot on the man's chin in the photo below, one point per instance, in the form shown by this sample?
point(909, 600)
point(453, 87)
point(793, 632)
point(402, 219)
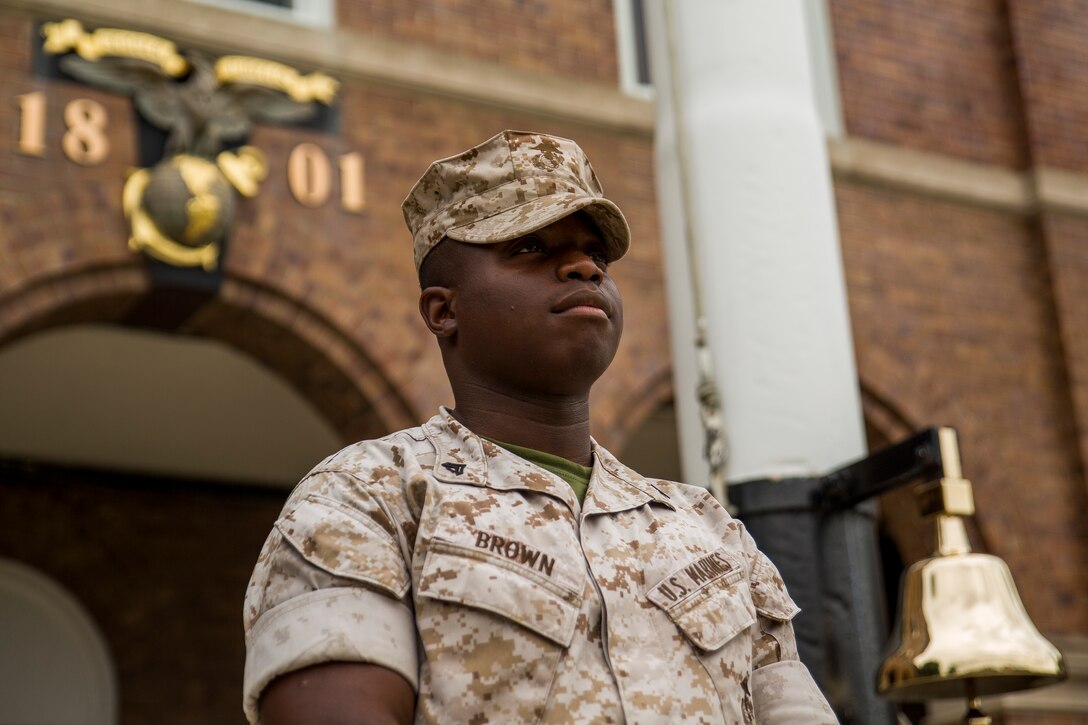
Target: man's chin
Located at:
point(579, 375)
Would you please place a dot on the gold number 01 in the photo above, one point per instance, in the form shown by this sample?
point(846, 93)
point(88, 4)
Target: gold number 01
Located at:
point(85, 140)
point(309, 176)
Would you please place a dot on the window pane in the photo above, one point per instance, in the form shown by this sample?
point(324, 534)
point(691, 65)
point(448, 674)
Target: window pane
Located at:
point(642, 57)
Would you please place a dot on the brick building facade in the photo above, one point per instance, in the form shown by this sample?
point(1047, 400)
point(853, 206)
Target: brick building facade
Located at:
point(961, 180)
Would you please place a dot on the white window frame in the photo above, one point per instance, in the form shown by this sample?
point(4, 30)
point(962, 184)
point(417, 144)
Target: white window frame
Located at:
point(821, 47)
point(314, 13)
point(627, 51)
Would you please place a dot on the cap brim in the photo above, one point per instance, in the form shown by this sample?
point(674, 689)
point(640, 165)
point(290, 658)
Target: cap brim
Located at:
point(538, 213)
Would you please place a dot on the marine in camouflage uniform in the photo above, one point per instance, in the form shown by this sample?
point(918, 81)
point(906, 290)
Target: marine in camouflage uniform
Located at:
point(478, 577)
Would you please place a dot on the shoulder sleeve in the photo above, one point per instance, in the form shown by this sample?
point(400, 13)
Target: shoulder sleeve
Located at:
point(784, 693)
point(332, 582)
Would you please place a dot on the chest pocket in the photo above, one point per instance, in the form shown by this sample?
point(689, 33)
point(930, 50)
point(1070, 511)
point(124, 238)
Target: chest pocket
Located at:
point(493, 633)
point(485, 580)
point(709, 600)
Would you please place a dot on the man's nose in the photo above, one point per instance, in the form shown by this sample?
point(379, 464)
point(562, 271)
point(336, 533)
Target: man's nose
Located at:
point(579, 265)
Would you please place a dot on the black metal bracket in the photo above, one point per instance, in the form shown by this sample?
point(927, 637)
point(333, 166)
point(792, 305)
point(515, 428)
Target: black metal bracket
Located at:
point(917, 458)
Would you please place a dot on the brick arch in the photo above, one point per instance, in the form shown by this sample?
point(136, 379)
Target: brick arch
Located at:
point(327, 368)
point(885, 421)
point(889, 420)
point(892, 395)
point(621, 415)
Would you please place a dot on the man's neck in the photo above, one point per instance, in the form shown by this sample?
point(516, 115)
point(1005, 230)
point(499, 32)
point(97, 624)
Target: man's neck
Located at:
point(556, 425)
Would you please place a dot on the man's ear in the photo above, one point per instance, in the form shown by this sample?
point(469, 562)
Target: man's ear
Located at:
point(435, 306)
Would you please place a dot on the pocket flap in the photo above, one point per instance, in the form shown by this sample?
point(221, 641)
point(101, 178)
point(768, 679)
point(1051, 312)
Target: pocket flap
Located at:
point(708, 600)
point(346, 543)
point(717, 613)
point(479, 579)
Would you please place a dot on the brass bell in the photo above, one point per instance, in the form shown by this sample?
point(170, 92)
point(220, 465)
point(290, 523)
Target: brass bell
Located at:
point(962, 630)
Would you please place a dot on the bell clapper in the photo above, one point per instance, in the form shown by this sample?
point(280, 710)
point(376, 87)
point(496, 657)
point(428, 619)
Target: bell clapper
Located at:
point(975, 715)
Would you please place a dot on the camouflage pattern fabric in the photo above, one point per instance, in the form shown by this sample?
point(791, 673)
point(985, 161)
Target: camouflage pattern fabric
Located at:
point(515, 183)
point(478, 577)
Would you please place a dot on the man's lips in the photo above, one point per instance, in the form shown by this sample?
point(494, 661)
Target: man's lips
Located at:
point(584, 302)
point(586, 310)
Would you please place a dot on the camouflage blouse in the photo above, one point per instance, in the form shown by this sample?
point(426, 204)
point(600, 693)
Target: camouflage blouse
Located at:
point(480, 578)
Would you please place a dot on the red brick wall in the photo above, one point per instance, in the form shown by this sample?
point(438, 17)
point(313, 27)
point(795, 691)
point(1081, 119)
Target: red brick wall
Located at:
point(931, 76)
point(352, 272)
point(1052, 56)
point(574, 38)
point(54, 214)
point(161, 567)
point(1067, 247)
point(967, 317)
point(955, 322)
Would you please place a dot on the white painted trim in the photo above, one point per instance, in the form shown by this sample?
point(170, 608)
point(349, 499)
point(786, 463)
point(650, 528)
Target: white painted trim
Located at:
point(85, 645)
point(679, 280)
point(738, 129)
point(825, 73)
point(315, 13)
point(366, 59)
point(964, 182)
point(1061, 191)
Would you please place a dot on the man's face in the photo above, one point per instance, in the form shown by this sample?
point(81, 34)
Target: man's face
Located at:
point(539, 314)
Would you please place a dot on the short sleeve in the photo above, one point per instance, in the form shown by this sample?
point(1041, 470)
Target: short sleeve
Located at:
point(784, 692)
point(330, 585)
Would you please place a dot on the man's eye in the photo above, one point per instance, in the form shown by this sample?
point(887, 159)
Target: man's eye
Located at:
point(599, 256)
point(530, 248)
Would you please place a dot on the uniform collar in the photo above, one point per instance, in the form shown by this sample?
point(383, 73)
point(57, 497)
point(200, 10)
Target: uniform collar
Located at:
point(463, 457)
point(615, 487)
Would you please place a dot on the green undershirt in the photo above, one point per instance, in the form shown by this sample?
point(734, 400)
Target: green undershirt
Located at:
point(573, 473)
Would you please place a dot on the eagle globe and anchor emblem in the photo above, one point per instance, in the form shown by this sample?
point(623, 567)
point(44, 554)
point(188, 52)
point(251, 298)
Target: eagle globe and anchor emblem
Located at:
point(181, 209)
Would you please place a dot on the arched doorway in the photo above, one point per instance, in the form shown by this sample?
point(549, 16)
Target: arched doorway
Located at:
point(116, 398)
point(55, 666)
point(142, 465)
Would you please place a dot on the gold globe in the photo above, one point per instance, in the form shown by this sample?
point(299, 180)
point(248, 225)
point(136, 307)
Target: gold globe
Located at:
point(189, 200)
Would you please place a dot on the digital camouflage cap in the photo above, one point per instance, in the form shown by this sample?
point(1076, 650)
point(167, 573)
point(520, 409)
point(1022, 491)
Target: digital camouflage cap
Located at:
point(513, 184)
